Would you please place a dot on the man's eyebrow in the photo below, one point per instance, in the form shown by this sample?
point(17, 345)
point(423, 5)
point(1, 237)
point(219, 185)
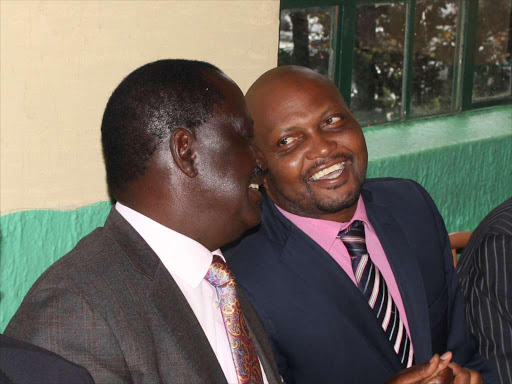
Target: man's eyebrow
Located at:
point(329, 110)
point(286, 130)
point(332, 108)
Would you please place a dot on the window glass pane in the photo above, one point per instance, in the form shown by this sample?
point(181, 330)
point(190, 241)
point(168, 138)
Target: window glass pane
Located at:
point(378, 61)
point(435, 31)
point(492, 76)
point(306, 37)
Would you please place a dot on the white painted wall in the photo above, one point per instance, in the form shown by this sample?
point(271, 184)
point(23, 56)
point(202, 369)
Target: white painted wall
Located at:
point(60, 60)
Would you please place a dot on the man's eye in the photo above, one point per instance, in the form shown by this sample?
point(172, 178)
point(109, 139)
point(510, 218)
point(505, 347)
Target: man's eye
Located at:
point(286, 141)
point(333, 120)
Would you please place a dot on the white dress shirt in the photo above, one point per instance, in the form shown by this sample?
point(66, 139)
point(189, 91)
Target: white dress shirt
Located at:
point(188, 261)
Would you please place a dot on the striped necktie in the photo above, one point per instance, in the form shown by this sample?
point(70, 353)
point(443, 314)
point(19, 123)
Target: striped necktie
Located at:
point(244, 355)
point(371, 283)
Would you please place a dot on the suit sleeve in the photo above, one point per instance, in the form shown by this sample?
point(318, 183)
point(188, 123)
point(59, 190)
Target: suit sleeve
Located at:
point(489, 301)
point(459, 339)
point(63, 322)
point(22, 362)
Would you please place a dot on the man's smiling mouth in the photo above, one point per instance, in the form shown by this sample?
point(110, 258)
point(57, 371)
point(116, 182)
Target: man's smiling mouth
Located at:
point(329, 173)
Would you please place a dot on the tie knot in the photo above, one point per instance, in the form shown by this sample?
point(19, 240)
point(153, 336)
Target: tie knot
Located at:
point(353, 238)
point(356, 229)
point(219, 273)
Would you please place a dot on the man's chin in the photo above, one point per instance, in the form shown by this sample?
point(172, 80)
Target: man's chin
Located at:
point(339, 204)
point(337, 197)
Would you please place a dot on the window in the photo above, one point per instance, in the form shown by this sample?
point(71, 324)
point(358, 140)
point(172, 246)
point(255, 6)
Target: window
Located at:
point(398, 60)
point(492, 51)
point(307, 37)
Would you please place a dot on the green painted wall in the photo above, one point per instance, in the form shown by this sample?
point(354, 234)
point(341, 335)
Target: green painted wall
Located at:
point(30, 241)
point(464, 161)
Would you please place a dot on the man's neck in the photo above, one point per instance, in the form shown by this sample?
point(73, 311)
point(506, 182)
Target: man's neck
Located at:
point(176, 220)
point(342, 216)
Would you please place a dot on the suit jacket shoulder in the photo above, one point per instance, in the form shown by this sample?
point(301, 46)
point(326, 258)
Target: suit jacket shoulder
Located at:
point(257, 253)
point(485, 270)
point(497, 222)
point(111, 306)
point(293, 284)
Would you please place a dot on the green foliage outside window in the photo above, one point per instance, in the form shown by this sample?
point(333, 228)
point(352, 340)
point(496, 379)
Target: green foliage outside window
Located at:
point(407, 59)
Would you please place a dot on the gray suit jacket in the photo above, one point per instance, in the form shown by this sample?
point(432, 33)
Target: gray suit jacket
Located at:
point(111, 306)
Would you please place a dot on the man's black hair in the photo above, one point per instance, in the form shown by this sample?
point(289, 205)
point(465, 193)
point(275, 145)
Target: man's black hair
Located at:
point(146, 107)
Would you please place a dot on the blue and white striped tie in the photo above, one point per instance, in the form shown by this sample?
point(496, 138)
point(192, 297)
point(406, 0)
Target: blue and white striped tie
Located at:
point(372, 285)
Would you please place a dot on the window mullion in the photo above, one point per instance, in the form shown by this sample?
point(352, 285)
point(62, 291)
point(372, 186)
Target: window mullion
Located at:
point(470, 26)
point(459, 58)
point(348, 31)
point(408, 55)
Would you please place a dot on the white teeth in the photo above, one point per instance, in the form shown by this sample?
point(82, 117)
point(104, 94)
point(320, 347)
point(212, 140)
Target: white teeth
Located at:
point(326, 171)
point(254, 186)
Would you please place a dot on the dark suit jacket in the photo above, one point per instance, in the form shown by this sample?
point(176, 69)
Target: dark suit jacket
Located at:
point(485, 270)
point(111, 306)
point(322, 328)
point(23, 363)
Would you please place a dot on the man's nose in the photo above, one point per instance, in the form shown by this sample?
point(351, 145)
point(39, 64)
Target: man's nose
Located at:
point(320, 146)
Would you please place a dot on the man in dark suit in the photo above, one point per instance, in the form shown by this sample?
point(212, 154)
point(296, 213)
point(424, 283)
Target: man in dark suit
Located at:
point(352, 278)
point(485, 271)
point(148, 298)
point(23, 363)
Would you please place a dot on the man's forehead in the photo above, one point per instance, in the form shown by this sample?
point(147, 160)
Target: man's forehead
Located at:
point(283, 75)
point(288, 99)
point(277, 88)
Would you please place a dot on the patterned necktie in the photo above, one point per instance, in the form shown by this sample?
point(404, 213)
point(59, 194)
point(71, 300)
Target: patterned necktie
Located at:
point(244, 354)
point(371, 283)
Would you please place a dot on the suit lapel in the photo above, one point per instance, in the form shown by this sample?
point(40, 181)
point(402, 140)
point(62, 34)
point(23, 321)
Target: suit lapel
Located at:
point(183, 326)
point(400, 255)
point(259, 339)
point(167, 298)
point(319, 271)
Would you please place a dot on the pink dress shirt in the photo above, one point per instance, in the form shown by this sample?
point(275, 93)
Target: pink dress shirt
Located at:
point(324, 233)
point(188, 261)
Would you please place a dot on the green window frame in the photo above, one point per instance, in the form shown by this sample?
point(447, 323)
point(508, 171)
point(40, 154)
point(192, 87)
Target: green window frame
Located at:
point(343, 40)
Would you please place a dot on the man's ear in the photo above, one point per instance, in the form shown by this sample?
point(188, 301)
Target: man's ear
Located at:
point(182, 145)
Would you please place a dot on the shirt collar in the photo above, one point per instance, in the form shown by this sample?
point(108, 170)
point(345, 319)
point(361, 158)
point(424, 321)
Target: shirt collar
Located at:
point(181, 255)
point(324, 232)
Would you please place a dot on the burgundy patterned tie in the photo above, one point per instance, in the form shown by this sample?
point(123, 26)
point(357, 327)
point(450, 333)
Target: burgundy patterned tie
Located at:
point(371, 283)
point(244, 354)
